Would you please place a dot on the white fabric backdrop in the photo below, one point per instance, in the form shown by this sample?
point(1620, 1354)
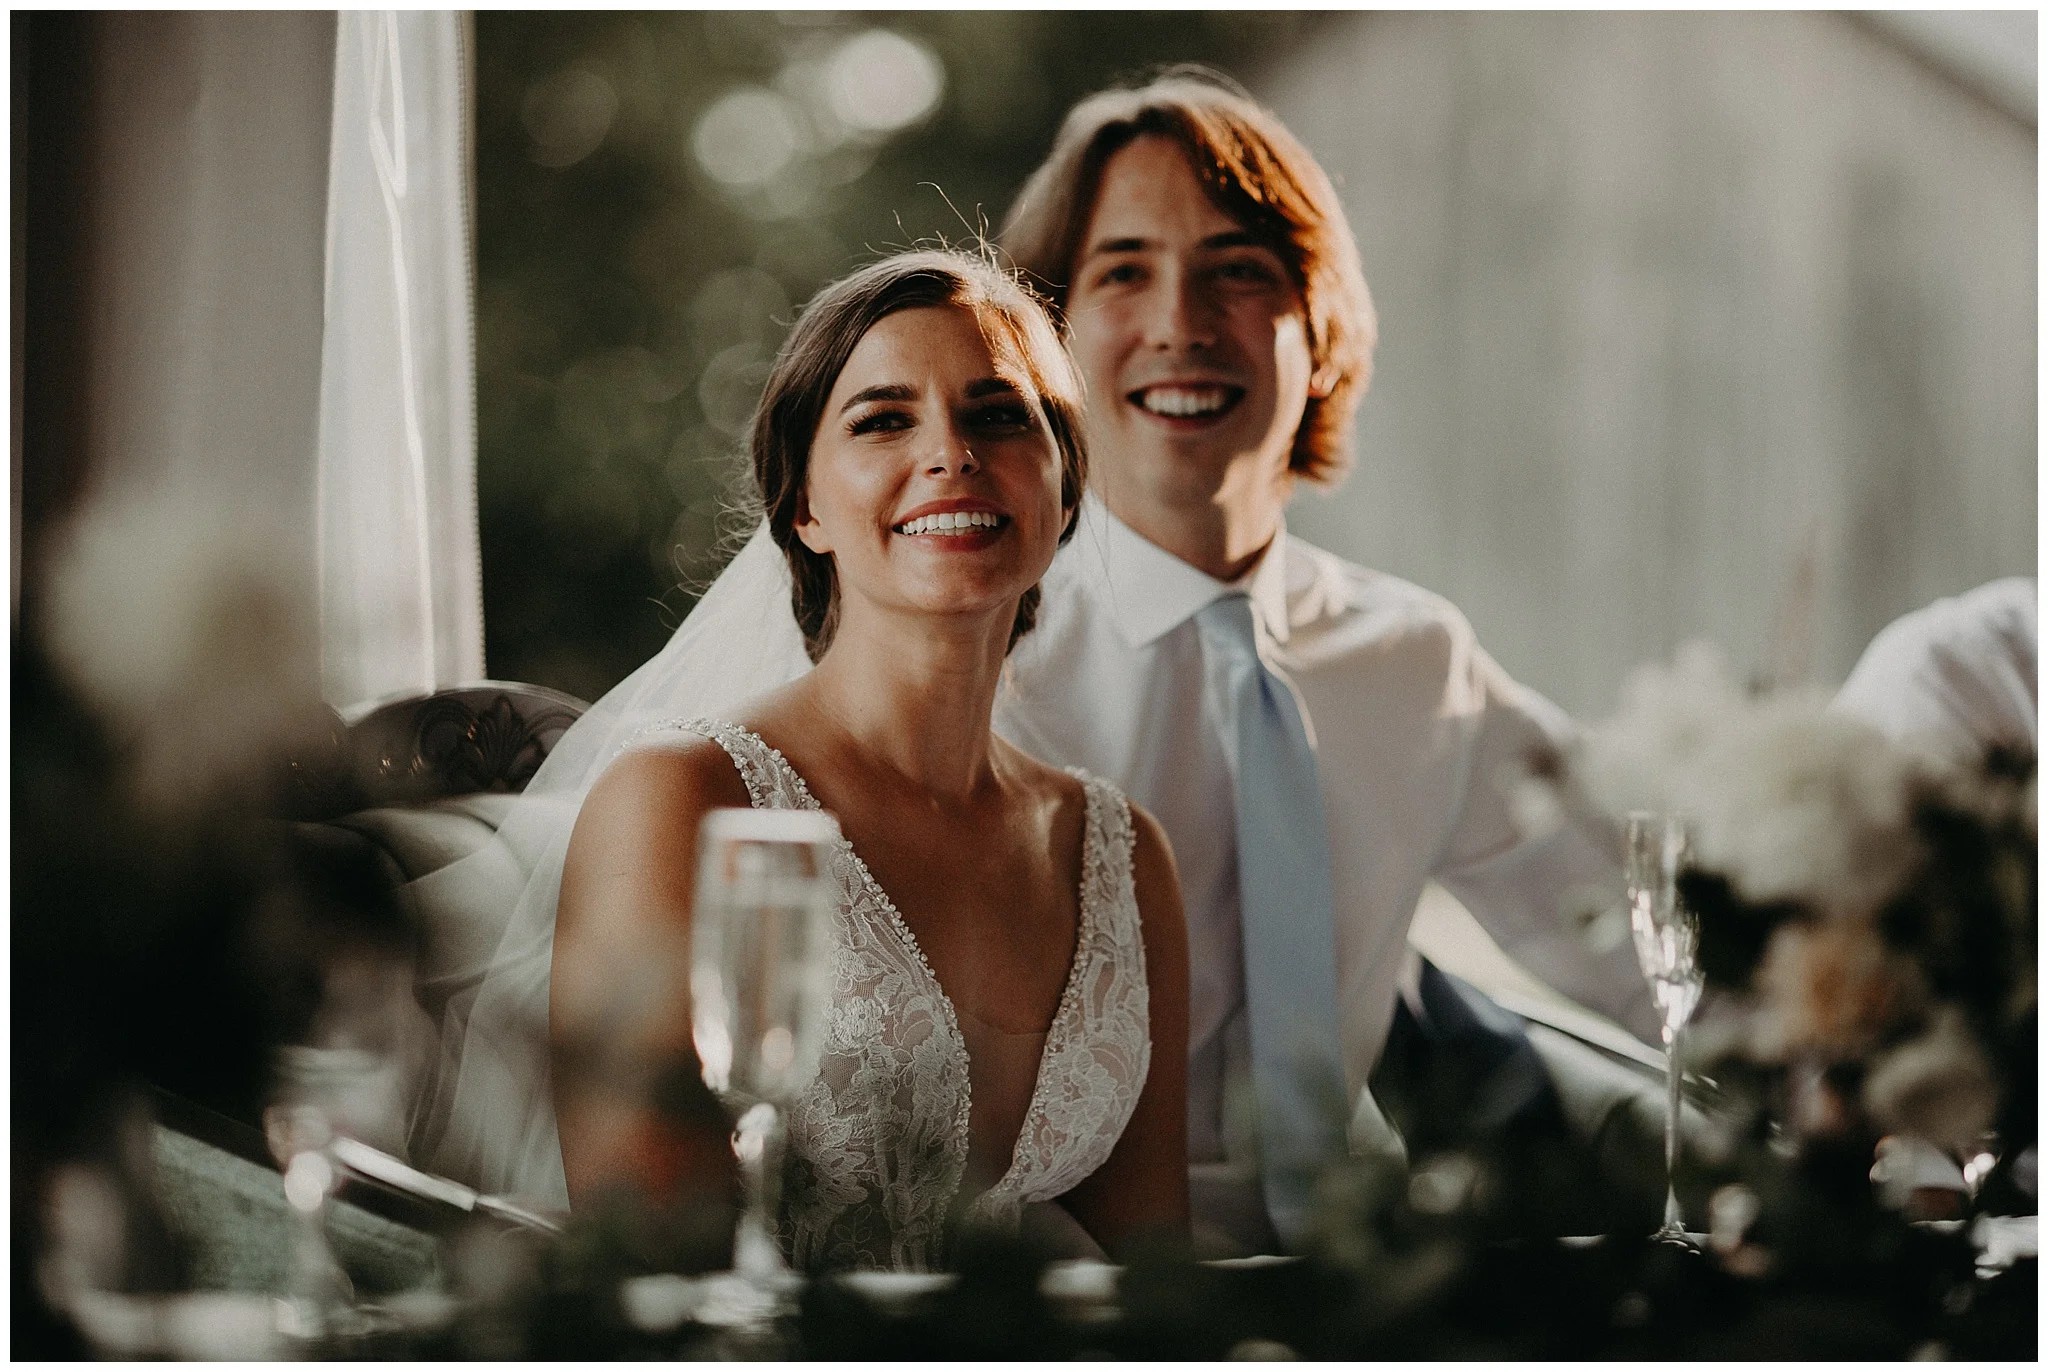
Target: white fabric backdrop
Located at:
point(400, 580)
point(196, 290)
point(1712, 325)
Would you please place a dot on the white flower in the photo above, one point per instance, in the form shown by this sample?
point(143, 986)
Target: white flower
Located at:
point(1791, 802)
point(1669, 715)
point(1936, 1086)
point(1787, 800)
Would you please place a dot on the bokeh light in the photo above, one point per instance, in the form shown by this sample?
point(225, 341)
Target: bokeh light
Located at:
point(730, 385)
point(739, 305)
point(747, 137)
point(880, 81)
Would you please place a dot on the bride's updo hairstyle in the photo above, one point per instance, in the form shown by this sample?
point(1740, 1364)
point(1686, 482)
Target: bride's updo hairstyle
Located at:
point(832, 325)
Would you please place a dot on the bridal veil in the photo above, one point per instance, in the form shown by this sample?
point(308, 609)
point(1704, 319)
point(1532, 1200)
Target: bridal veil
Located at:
point(486, 1115)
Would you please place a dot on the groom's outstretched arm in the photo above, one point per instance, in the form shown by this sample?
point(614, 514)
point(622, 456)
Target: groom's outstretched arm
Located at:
point(1140, 1193)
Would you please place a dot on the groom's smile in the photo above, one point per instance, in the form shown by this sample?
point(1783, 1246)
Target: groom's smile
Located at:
point(1192, 404)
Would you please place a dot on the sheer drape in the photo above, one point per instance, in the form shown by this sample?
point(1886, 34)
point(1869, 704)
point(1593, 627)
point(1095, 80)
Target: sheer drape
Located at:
point(400, 582)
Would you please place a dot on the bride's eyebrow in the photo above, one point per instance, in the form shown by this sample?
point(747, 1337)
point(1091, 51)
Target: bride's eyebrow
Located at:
point(893, 391)
point(992, 385)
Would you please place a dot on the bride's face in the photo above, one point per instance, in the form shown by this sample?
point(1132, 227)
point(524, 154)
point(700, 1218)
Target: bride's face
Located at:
point(933, 481)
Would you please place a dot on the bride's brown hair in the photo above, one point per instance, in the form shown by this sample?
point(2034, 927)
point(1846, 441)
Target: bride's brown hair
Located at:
point(816, 351)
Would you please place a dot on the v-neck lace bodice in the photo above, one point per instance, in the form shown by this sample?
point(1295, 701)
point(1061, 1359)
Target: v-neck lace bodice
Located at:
point(878, 1142)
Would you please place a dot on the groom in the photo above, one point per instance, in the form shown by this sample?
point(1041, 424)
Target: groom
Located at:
point(1319, 740)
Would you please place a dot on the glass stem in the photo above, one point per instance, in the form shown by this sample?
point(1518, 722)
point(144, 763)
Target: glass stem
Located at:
point(1674, 1221)
point(758, 1140)
point(320, 1291)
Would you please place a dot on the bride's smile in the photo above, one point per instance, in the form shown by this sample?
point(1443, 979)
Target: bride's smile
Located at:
point(954, 525)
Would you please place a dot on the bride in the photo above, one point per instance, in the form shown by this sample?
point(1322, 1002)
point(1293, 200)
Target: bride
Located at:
point(1011, 974)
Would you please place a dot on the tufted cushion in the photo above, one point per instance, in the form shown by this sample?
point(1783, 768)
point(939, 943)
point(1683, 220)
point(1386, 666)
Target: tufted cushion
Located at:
point(421, 839)
point(456, 879)
point(429, 781)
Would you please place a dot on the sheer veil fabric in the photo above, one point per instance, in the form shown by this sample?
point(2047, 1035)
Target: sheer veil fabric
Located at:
point(486, 1117)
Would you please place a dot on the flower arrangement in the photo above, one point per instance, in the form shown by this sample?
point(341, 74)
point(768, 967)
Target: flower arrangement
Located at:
point(1866, 908)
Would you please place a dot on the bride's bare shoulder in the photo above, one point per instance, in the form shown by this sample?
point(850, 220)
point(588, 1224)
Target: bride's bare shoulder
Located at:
point(659, 784)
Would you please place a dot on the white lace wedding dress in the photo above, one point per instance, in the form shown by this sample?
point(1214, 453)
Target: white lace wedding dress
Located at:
point(878, 1143)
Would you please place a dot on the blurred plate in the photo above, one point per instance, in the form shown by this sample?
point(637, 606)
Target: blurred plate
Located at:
point(894, 1291)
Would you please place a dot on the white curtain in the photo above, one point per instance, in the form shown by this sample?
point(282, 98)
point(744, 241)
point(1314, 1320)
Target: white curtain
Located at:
point(399, 574)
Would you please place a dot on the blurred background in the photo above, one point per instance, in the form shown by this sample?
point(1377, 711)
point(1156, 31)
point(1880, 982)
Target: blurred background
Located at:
point(1714, 325)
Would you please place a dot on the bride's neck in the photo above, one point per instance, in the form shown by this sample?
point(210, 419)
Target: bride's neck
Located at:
point(915, 696)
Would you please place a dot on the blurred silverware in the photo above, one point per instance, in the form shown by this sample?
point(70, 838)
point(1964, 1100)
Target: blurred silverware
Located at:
point(380, 1167)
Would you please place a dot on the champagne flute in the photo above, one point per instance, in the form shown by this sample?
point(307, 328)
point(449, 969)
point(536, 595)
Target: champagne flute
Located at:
point(317, 1086)
point(1659, 846)
point(760, 981)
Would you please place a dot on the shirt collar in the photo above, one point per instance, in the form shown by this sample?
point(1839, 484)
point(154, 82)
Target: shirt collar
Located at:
point(1151, 592)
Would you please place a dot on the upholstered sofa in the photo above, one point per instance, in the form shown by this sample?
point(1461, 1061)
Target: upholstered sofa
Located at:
point(422, 784)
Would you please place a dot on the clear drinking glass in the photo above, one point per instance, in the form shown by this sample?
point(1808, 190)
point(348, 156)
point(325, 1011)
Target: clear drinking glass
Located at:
point(760, 981)
point(320, 1092)
point(1667, 948)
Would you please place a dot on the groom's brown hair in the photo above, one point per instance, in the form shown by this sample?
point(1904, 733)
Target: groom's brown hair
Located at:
point(1253, 170)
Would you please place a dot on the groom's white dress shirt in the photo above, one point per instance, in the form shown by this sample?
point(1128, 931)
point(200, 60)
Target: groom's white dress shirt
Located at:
point(1419, 741)
point(1956, 675)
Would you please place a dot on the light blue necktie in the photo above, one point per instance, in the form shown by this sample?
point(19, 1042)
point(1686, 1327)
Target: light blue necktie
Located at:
point(1290, 956)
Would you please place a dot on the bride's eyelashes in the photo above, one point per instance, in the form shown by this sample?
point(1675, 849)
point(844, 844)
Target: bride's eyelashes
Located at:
point(1003, 417)
point(1000, 418)
point(879, 421)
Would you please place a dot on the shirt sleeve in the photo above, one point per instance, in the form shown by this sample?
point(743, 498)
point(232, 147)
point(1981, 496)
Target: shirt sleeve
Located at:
point(1547, 888)
point(1958, 675)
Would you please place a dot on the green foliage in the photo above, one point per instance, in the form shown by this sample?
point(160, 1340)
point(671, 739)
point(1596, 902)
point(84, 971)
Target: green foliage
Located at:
point(628, 303)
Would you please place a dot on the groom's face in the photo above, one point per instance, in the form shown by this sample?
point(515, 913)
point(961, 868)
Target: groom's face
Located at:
point(1190, 333)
